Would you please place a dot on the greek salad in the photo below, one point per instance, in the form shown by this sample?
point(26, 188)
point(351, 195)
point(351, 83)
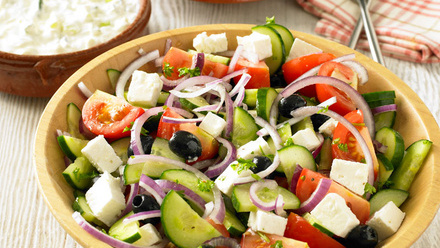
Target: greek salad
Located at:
point(266, 145)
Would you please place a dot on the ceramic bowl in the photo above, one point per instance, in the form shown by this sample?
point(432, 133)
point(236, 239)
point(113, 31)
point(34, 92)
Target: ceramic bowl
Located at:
point(414, 122)
point(42, 75)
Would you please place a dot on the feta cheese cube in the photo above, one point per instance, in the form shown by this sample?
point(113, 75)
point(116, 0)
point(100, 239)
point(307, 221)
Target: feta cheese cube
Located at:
point(225, 182)
point(257, 43)
point(328, 127)
point(333, 213)
point(210, 44)
point(387, 220)
point(352, 175)
point(105, 199)
point(301, 48)
point(213, 124)
point(101, 154)
point(307, 138)
point(261, 221)
point(254, 148)
point(149, 236)
point(144, 89)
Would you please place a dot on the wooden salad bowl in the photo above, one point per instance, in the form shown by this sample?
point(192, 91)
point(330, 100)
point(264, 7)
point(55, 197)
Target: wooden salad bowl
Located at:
point(414, 121)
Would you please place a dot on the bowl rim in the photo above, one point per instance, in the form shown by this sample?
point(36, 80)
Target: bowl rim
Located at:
point(80, 236)
point(143, 12)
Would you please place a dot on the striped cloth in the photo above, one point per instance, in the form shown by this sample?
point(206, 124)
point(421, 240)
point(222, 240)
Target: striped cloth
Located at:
point(406, 29)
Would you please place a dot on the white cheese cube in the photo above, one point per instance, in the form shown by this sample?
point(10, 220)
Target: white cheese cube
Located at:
point(100, 153)
point(307, 138)
point(254, 148)
point(328, 127)
point(261, 221)
point(333, 213)
point(225, 182)
point(387, 220)
point(213, 43)
point(144, 89)
point(213, 124)
point(352, 175)
point(257, 43)
point(149, 236)
point(105, 199)
point(301, 48)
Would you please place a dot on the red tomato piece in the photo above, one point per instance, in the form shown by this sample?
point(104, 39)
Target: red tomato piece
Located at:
point(300, 229)
point(108, 115)
point(260, 76)
point(251, 239)
point(294, 68)
point(220, 227)
point(214, 69)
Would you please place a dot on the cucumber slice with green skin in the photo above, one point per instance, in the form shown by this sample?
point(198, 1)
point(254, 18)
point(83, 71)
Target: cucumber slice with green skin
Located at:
point(244, 127)
point(73, 119)
point(385, 119)
point(192, 103)
point(189, 180)
point(71, 146)
point(182, 225)
point(384, 196)
point(292, 155)
point(242, 202)
point(413, 159)
point(278, 50)
point(325, 156)
point(250, 97)
point(394, 142)
point(120, 146)
point(378, 103)
point(133, 172)
point(285, 132)
point(265, 98)
point(386, 168)
point(126, 232)
point(314, 222)
point(213, 58)
point(80, 173)
point(303, 124)
point(286, 35)
point(113, 76)
point(80, 205)
point(233, 224)
point(163, 96)
point(161, 148)
point(77, 192)
point(379, 95)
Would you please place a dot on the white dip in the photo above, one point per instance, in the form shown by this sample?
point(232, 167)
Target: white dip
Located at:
point(61, 26)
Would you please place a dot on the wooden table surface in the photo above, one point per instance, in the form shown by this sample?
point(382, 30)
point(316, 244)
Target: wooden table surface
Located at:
point(25, 219)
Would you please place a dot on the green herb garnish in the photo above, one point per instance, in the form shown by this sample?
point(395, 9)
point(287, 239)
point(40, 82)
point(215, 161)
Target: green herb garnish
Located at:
point(205, 185)
point(191, 72)
point(278, 244)
point(243, 164)
point(167, 69)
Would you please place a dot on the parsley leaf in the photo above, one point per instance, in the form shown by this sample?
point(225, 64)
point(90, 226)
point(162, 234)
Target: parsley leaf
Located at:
point(324, 109)
point(343, 147)
point(168, 70)
point(278, 244)
point(263, 237)
point(270, 20)
point(191, 72)
point(144, 131)
point(243, 164)
point(289, 142)
point(256, 177)
point(369, 189)
point(205, 185)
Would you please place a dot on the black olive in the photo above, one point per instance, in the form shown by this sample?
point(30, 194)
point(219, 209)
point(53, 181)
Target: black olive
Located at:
point(147, 143)
point(277, 81)
point(318, 120)
point(261, 163)
point(290, 103)
point(142, 203)
point(186, 145)
point(362, 236)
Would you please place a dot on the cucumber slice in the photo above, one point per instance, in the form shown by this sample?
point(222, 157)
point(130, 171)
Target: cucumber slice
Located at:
point(192, 103)
point(213, 58)
point(285, 132)
point(286, 35)
point(378, 103)
point(394, 142)
point(126, 232)
point(161, 148)
point(385, 169)
point(113, 76)
point(413, 159)
point(80, 173)
point(384, 196)
point(80, 205)
point(71, 146)
point(133, 172)
point(303, 124)
point(73, 119)
point(242, 203)
point(189, 180)
point(325, 156)
point(244, 127)
point(250, 97)
point(292, 155)
point(163, 96)
point(385, 119)
point(182, 225)
point(379, 95)
point(316, 223)
point(265, 98)
point(233, 224)
point(278, 50)
point(121, 146)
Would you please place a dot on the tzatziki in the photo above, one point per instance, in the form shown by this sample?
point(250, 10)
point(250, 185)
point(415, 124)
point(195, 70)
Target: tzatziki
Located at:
point(43, 27)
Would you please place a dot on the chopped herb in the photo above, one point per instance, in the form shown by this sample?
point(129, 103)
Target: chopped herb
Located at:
point(243, 164)
point(289, 142)
point(92, 174)
point(303, 178)
point(40, 4)
point(270, 20)
point(191, 72)
point(323, 109)
point(336, 141)
point(221, 178)
point(263, 237)
point(369, 189)
point(313, 179)
point(167, 69)
point(176, 181)
point(363, 160)
point(103, 24)
point(256, 177)
point(144, 131)
point(359, 124)
point(278, 244)
point(205, 185)
point(343, 147)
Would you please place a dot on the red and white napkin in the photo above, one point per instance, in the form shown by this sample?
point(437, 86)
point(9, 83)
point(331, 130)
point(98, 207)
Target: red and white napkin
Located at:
point(406, 29)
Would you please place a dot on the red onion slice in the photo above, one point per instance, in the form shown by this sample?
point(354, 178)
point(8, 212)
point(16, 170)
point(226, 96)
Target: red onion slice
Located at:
point(223, 242)
point(168, 45)
point(357, 67)
point(231, 155)
point(241, 83)
point(315, 152)
point(279, 206)
point(379, 147)
point(167, 185)
point(172, 120)
point(196, 93)
point(317, 195)
point(142, 216)
point(135, 135)
point(260, 185)
point(152, 188)
point(136, 64)
point(384, 108)
point(200, 80)
point(106, 238)
point(172, 83)
point(295, 177)
point(235, 58)
point(134, 189)
point(229, 104)
point(83, 88)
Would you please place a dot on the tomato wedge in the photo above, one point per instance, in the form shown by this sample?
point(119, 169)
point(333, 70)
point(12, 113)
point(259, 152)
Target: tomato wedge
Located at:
point(220, 227)
point(294, 68)
point(251, 239)
point(300, 229)
point(108, 115)
point(260, 76)
point(345, 146)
